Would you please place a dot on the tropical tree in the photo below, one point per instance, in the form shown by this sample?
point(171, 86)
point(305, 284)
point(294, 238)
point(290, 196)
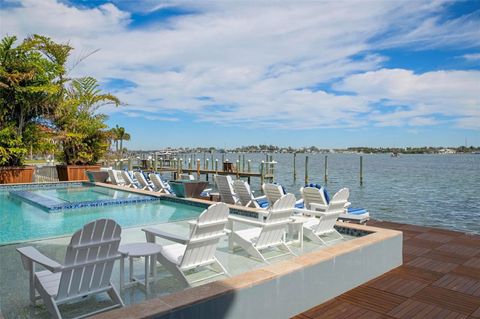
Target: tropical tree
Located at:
point(32, 75)
point(82, 129)
point(119, 134)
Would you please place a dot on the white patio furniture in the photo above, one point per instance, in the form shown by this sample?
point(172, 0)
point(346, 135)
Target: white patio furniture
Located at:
point(269, 233)
point(142, 181)
point(225, 188)
point(131, 251)
point(115, 177)
point(86, 271)
point(196, 251)
point(317, 229)
point(159, 185)
point(127, 178)
point(245, 195)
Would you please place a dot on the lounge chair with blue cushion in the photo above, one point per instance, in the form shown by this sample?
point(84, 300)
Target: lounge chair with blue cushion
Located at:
point(245, 195)
point(317, 198)
point(128, 179)
point(160, 185)
point(274, 191)
point(142, 181)
point(320, 229)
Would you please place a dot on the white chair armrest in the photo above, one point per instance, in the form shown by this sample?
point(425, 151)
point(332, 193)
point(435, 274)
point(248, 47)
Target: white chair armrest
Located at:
point(154, 232)
point(31, 254)
point(245, 220)
point(207, 190)
point(318, 206)
point(260, 197)
point(347, 204)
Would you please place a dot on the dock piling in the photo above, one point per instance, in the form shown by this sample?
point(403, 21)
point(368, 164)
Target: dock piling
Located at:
point(306, 170)
point(294, 166)
point(361, 170)
point(198, 169)
point(326, 169)
point(262, 176)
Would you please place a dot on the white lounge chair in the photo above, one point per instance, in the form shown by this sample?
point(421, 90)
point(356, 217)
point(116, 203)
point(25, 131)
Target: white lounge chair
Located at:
point(318, 199)
point(129, 182)
point(225, 188)
point(316, 228)
point(159, 185)
point(115, 177)
point(142, 181)
point(245, 195)
point(196, 251)
point(269, 233)
point(87, 269)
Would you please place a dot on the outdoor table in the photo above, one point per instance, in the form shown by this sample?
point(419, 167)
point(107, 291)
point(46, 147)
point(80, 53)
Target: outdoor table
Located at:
point(296, 223)
point(137, 250)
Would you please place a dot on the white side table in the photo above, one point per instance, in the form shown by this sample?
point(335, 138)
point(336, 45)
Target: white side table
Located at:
point(296, 223)
point(137, 250)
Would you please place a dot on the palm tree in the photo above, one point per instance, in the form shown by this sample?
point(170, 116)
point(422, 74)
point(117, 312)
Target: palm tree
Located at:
point(122, 136)
point(119, 135)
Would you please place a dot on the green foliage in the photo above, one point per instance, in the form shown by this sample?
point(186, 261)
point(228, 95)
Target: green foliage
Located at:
point(82, 131)
point(31, 82)
point(11, 151)
point(40, 105)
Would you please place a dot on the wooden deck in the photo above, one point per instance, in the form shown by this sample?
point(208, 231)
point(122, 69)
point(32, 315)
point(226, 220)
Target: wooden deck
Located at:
point(440, 278)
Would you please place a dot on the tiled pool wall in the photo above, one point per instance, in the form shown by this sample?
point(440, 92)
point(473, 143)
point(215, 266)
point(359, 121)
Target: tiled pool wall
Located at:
point(34, 186)
point(282, 289)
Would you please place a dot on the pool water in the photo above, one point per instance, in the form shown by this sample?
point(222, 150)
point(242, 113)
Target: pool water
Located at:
point(21, 221)
point(83, 193)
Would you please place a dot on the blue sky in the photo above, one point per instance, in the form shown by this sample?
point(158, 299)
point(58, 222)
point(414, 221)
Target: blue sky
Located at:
point(329, 74)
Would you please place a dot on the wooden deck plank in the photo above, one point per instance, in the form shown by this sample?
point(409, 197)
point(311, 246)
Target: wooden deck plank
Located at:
point(440, 278)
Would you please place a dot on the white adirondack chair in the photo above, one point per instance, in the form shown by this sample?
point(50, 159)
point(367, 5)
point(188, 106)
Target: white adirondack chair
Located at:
point(142, 181)
point(129, 182)
point(225, 188)
point(159, 185)
point(114, 179)
point(273, 192)
point(196, 251)
point(315, 228)
point(314, 198)
point(269, 233)
point(245, 195)
point(86, 271)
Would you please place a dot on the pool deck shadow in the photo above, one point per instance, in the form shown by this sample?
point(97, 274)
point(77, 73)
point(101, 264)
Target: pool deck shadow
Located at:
point(440, 278)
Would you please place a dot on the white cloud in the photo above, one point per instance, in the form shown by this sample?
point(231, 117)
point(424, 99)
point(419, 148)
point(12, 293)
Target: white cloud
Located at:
point(414, 97)
point(472, 56)
point(260, 65)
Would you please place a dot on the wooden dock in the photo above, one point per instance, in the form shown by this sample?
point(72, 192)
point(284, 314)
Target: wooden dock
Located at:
point(440, 278)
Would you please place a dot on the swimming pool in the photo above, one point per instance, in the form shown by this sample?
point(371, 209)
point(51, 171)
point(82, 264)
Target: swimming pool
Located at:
point(22, 220)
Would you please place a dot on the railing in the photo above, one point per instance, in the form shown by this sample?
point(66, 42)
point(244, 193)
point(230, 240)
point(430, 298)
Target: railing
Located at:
point(45, 174)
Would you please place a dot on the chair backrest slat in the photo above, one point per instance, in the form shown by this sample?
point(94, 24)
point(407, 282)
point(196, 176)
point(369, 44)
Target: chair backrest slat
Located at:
point(225, 188)
point(142, 181)
point(128, 179)
point(96, 241)
point(273, 229)
point(273, 192)
point(335, 208)
point(205, 236)
point(158, 183)
point(244, 193)
point(313, 195)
